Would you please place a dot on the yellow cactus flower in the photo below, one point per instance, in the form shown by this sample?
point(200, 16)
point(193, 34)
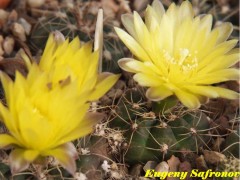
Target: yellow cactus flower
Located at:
point(179, 54)
point(70, 59)
point(42, 119)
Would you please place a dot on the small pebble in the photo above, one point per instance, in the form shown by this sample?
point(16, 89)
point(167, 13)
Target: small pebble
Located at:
point(8, 45)
point(35, 3)
point(18, 31)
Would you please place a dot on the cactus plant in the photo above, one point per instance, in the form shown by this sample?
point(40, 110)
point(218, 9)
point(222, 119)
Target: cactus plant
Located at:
point(154, 137)
point(67, 23)
point(63, 21)
point(113, 50)
point(231, 145)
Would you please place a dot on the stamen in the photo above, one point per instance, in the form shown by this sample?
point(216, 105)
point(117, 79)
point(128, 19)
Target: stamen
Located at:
point(184, 59)
point(184, 53)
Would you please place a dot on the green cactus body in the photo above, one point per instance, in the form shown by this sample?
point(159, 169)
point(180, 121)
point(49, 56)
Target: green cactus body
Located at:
point(150, 138)
point(90, 160)
point(113, 50)
point(231, 145)
point(63, 21)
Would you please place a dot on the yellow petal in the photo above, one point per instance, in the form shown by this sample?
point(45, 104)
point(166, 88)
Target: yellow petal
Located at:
point(172, 11)
point(158, 93)
point(12, 126)
point(104, 83)
point(75, 44)
point(7, 86)
point(90, 69)
point(84, 127)
point(222, 62)
point(26, 59)
point(217, 76)
point(186, 27)
point(208, 91)
point(65, 155)
point(209, 45)
point(6, 140)
point(147, 80)
point(166, 27)
point(124, 64)
point(49, 50)
point(30, 155)
point(151, 19)
point(220, 50)
point(191, 27)
point(203, 32)
point(188, 99)
point(127, 20)
point(132, 44)
point(143, 36)
point(225, 29)
point(86, 49)
point(206, 22)
point(61, 126)
point(132, 65)
point(226, 93)
point(62, 49)
point(185, 10)
point(158, 8)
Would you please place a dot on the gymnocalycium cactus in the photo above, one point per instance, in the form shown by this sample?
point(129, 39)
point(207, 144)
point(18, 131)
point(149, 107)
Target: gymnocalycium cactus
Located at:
point(63, 21)
point(157, 135)
point(66, 22)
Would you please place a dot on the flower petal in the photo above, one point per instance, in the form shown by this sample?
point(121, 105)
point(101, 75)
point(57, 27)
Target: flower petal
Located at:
point(203, 32)
point(17, 161)
point(134, 66)
point(30, 155)
point(225, 29)
point(66, 155)
point(185, 10)
point(26, 59)
point(127, 20)
point(217, 76)
point(47, 57)
point(143, 36)
point(188, 99)
point(151, 19)
point(104, 83)
point(7, 84)
point(75, 44)
point(158, 93)
point(124, 64)
point(6, 140)
point(208, 91)
point(158, 8)
point(220, 50)
point(84, 128)
point(166, 27)
point(226, 93)
point(147, 80)
point(206, 22)
point(222, 62)
point(132, 44)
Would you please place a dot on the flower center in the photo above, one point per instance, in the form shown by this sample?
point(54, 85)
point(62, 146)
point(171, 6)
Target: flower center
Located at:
point(182, 59)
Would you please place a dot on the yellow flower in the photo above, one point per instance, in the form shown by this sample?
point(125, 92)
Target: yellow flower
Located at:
point(42, 120)
point(179, 54)
point(70, 59)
